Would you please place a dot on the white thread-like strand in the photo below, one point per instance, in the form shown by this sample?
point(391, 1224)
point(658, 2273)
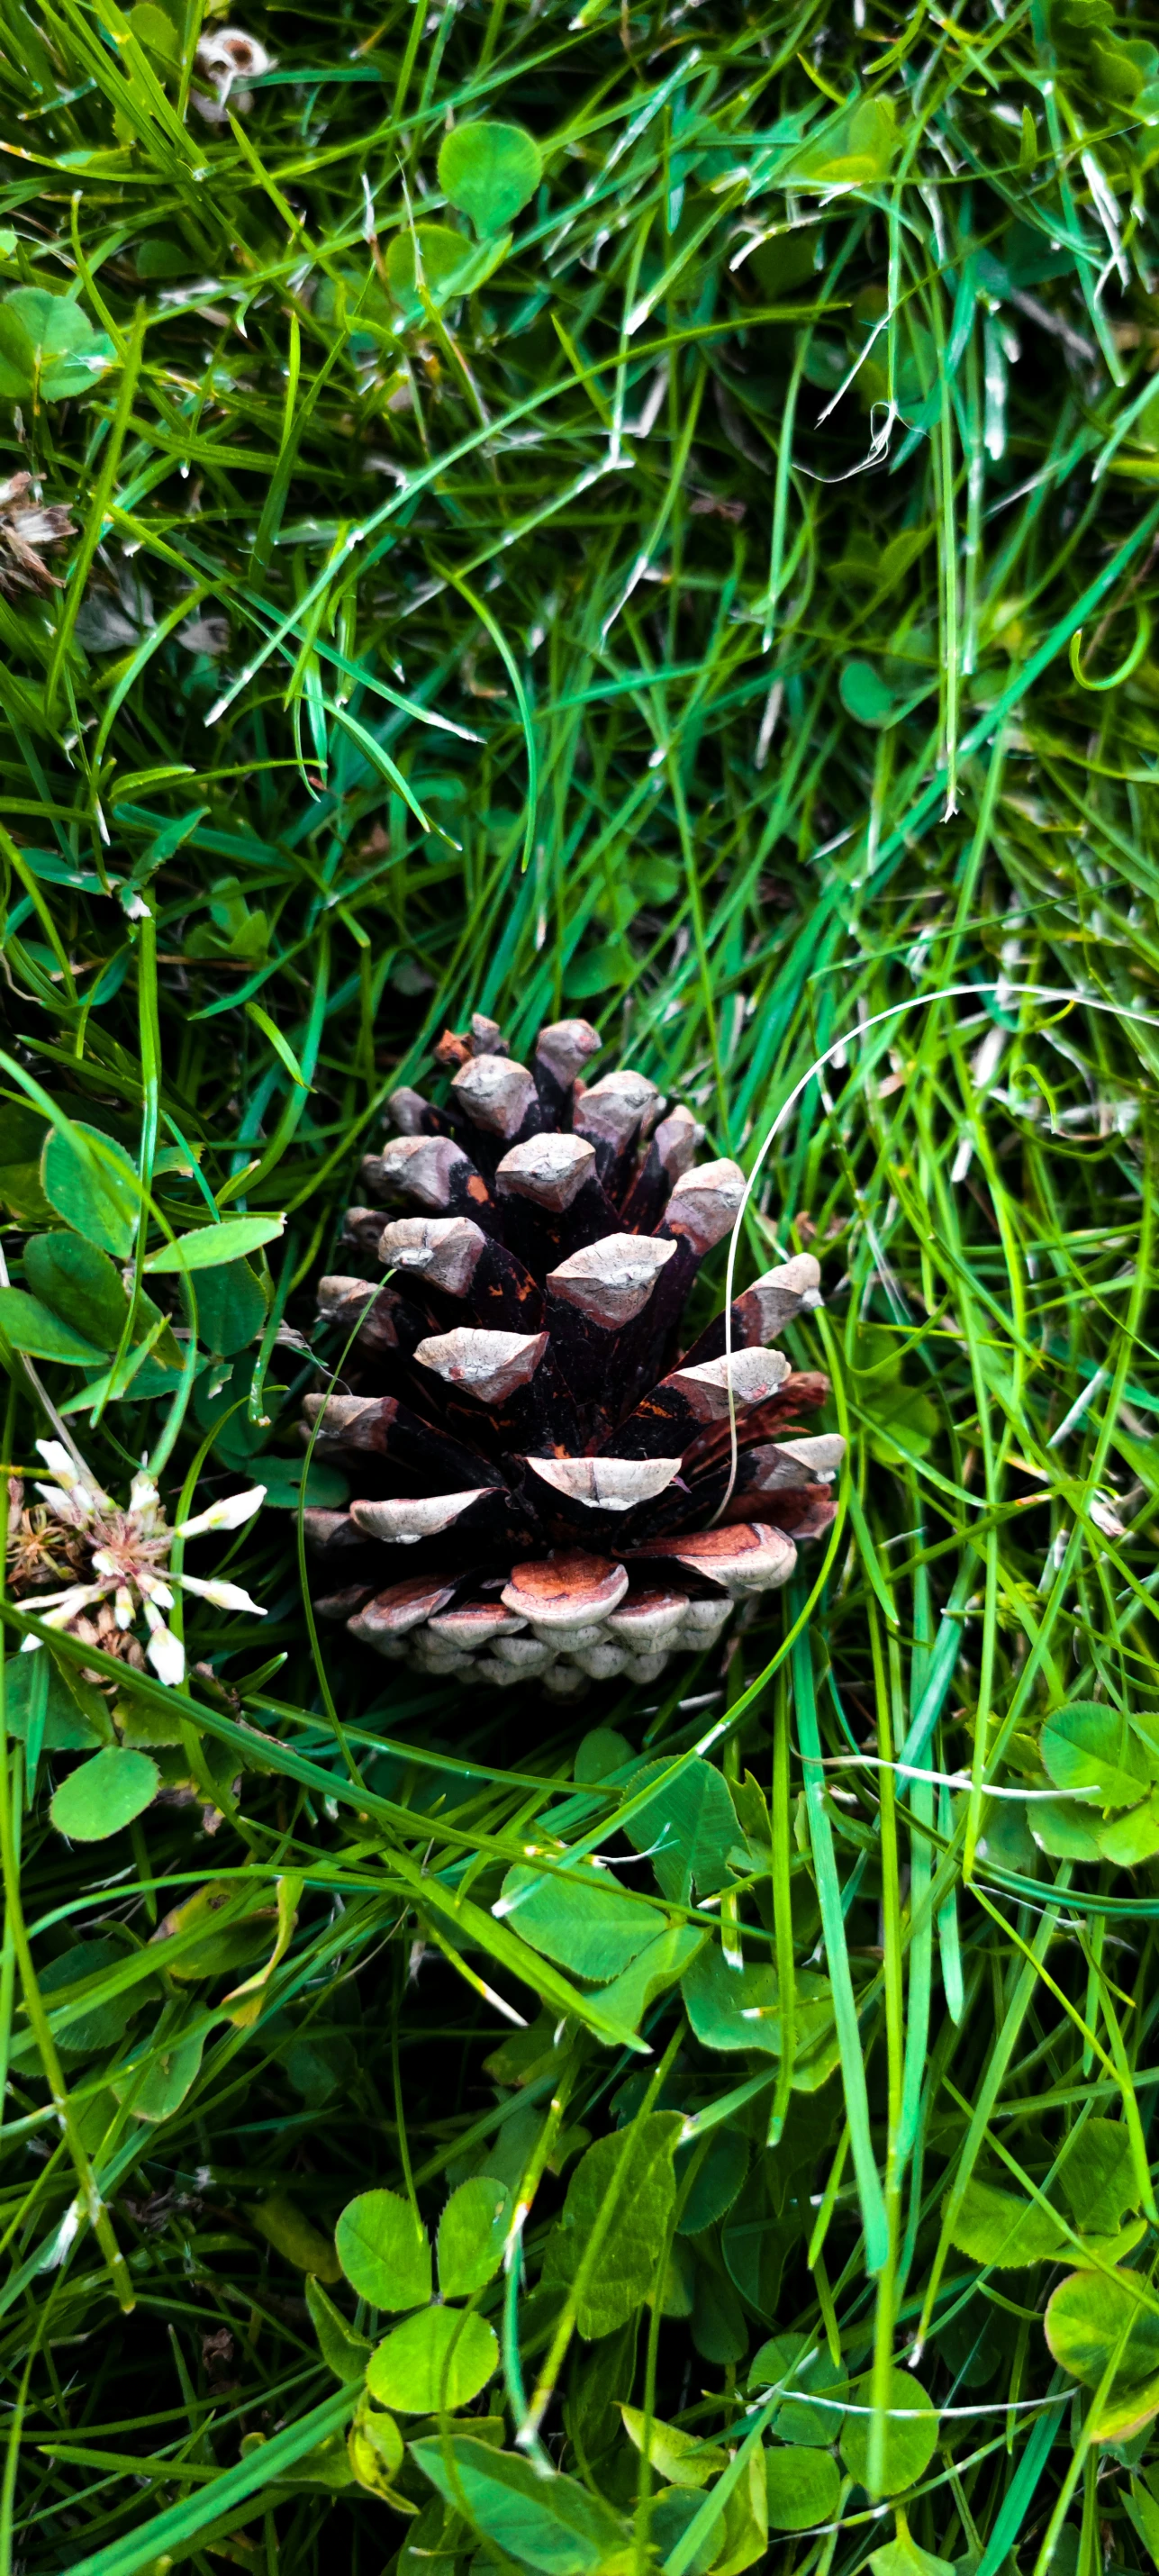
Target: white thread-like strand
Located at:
point(950, 1779)
point(913, 2414)
point(917, 1002)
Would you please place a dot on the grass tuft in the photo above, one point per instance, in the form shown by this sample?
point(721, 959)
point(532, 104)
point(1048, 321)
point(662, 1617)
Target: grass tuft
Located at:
point(647, 513)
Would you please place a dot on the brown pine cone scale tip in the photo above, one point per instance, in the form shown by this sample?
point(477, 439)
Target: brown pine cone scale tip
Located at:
point(522, 1422)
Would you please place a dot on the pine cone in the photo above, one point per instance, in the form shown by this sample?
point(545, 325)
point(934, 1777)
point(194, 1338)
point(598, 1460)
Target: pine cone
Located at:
point(559, 1480)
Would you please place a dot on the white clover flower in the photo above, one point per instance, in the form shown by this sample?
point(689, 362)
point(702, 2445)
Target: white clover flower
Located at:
point(229, 58)
point(228, 1514)
point(229, 54)
point(128, 1550)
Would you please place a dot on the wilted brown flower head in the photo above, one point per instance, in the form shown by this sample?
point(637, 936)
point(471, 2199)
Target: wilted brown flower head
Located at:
point(28, 530)
point(41, 1549)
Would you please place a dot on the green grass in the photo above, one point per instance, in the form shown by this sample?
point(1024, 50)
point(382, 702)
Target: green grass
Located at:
point(573, 648)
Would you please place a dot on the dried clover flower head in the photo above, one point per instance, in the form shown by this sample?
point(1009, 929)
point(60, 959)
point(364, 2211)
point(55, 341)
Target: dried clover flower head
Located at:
point(121, 1557)
point(27, 530)
point(40, 1551)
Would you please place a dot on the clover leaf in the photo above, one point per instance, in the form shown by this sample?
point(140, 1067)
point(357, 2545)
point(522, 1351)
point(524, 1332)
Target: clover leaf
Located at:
point(48, 347)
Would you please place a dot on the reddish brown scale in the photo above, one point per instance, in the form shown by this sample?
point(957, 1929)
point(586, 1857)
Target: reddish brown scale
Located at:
point(382, 1318)
point(761, 1312)
point(613, 1115)
point(432, 1173)
point(341, 1606)
point(798, 1394)
point(803, 1515)
point(499, 1100)
point(561, 1052)
point(332, 1537)
point(484, 1037)
point(695, 1398)
point(549, 1199)
point(670, 1153)
point(454, 1259)
point(382, 1427)
point(412, 1115)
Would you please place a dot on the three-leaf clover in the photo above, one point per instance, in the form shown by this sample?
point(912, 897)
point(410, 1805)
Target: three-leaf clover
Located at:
point(48, 347)
point(440, 2356)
